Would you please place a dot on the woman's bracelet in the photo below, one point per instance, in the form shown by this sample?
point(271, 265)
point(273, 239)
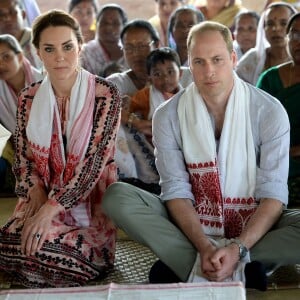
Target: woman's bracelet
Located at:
point(131, 117)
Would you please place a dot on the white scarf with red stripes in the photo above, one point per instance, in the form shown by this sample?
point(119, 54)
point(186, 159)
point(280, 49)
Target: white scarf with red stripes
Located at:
point(223, 182)
point(44, 125)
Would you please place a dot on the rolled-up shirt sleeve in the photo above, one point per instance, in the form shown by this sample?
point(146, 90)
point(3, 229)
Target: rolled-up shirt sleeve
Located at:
point(271, 132)
point(170, 163)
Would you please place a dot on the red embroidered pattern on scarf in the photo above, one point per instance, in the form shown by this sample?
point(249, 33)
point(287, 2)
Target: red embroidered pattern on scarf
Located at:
point(218, 216)
point(72, 162)
point(40, 155)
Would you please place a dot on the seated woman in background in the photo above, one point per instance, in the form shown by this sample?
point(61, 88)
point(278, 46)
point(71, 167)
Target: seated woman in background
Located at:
point(58, 234)
point(222, 11)
point(160, 21)
point(4, 137)
point(16, 73)
point(106, 47)
point(84, 11)
point(295, 3)
point(283, 82)
point(270, 49)
point(181, 21)
point(134, 156)
point(246, 23)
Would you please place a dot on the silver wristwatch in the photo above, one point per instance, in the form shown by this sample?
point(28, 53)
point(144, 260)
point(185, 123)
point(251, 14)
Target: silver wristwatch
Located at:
point(242, 249)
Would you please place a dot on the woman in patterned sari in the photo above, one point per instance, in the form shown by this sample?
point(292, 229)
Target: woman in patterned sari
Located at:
point(283, 82)
point(16, 72)
point(65, 138)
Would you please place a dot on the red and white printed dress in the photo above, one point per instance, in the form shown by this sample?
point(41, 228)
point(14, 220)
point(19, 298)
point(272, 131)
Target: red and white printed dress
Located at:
point(72, 253)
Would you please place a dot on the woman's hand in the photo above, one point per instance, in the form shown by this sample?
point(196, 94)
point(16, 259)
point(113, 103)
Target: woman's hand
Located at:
point(37, 198)
point(125, 109)
point(37, 227)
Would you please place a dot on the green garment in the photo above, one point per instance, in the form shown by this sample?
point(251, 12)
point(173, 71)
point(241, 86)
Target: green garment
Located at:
point(270, 82)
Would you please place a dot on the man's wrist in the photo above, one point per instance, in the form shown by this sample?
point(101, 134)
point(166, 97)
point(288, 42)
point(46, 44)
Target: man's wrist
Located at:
point(243, 250)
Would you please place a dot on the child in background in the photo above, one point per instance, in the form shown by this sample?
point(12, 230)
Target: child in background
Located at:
point(163, 68)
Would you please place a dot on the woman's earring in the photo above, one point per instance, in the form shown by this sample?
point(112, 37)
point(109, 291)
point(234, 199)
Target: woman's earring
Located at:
point(43, 71)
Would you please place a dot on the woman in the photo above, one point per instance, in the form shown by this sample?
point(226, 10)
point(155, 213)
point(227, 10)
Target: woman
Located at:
point(222, 11)
point(138, 38)
point(180, 24)
point(58, 235)
point(84, 11)
point(295, 3)
point(106, 48)
point(160, 21)
point(283, 82)
point(246, 23)
point(16, 73)
point(270, 49)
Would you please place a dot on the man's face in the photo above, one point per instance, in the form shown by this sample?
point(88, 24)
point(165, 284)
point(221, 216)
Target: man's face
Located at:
point(211, 64)
point(11, 18)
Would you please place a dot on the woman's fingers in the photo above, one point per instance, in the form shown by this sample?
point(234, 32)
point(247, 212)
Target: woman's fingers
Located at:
point(36, 242)
point(31, 238)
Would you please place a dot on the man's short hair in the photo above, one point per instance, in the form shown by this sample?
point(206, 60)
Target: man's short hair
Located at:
point(210, 26)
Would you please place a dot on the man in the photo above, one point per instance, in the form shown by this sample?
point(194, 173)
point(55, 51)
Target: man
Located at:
point(222, 154)
point(12, 21)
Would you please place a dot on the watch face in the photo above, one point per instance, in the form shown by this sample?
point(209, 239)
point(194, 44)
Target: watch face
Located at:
point(243, 251)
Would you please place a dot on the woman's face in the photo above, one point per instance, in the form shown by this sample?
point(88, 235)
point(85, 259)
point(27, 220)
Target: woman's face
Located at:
point(245, 32)
point(137, 44)
point(59, 51)
point(294, 41)
point(166, 7)
point(85, 14)
point(10, 62)
point(276, 20)
point(216, 4)
point(182, 25)
point(109, 26)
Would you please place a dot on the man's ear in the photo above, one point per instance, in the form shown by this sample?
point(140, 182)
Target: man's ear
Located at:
point(234, 58)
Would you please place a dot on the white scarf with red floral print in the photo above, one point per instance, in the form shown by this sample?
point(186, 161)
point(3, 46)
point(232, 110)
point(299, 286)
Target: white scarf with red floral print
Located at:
point(223, 181)
point(44, 129)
